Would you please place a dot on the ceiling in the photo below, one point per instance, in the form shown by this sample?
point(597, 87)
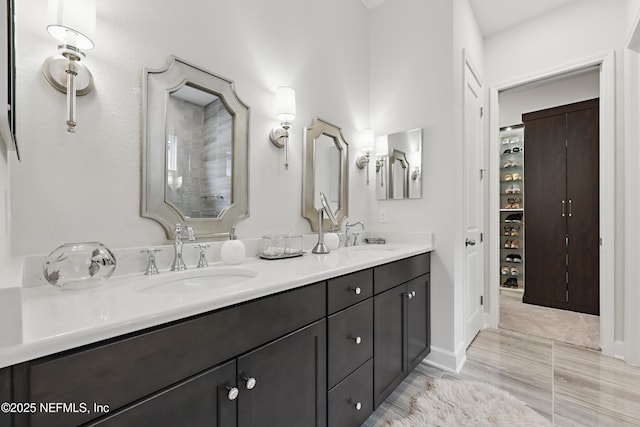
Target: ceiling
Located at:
point(494, 16)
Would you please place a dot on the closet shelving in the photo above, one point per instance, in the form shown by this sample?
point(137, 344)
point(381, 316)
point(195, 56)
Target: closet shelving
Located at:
point(512, 208)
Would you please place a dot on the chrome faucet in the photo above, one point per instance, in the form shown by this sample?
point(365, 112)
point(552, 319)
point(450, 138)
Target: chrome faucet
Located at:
point(178, 262)
point(348, 241)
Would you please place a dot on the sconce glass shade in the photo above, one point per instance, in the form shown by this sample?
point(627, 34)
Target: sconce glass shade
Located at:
point(382, 146)
point(285, 104)
point(368, 140)
point(72, 22)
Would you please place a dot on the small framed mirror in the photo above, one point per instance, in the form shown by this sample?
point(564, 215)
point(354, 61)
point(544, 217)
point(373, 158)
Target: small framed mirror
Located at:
point(399, 165)
point(325, 154)
point(195, 152)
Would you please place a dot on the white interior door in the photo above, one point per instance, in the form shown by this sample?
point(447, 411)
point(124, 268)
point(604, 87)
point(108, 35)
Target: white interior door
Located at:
point(473, 203)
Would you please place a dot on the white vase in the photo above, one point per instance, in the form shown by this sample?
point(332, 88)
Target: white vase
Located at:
point(232, 252)
point(332, 240)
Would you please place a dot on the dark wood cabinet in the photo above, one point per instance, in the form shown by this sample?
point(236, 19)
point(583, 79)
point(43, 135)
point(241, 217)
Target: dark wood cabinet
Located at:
point(562, 214)
point(418, 320)
point(390, 363)
point(203, 400)
point(351, 402)
point(350, 340)
point(290, 381)
point(5, 395)
point(402, 334)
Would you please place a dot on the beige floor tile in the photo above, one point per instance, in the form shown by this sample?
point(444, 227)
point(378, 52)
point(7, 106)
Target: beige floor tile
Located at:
point(572, 386)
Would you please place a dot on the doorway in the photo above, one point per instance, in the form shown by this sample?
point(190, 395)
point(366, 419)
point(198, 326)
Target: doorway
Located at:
point(602, 72)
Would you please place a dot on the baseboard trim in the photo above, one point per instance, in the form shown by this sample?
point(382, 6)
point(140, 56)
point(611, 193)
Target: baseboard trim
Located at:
point(618, 349)
point(447, 360)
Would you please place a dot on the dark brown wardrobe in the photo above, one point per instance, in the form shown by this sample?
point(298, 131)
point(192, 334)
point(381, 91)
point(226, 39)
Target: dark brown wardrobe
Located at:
point(561, 180)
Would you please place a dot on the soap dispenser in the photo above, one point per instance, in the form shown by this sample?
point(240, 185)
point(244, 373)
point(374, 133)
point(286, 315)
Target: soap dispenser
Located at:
point(232, 250)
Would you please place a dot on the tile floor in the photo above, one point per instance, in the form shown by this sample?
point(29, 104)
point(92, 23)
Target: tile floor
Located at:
point(571, 386)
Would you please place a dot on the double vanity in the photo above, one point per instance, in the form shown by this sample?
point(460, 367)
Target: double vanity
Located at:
point(311, 341)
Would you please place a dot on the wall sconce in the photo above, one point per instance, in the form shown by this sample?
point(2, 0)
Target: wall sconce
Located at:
point(286, 113)
point(72, 23)
point(382, 152)
point(368, 141)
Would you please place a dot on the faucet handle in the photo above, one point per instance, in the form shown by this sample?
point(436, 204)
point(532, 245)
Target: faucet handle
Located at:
point(152, 268)
point(355, 239)
point(202, 261)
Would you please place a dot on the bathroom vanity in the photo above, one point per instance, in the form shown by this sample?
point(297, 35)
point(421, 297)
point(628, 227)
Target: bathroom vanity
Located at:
point(318, 354)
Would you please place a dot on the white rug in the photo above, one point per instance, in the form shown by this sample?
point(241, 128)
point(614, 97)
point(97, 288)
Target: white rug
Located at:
point(467, 403)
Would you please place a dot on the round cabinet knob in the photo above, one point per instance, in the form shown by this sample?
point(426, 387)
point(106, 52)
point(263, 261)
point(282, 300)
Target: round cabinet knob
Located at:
point(233, 393)
point(413, 293)
point(358, 406)
point(250, 382)
point(357, 340)
point(357, 290)
point(409, 295)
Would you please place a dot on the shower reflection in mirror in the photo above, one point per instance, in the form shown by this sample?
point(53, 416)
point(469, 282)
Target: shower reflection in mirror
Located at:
point(399, 165)
point(198, 153)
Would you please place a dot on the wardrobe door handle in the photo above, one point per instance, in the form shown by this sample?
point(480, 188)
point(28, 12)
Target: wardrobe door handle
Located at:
point(563, 208)
point(570, 214)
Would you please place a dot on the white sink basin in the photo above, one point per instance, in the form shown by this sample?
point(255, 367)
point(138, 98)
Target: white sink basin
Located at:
point(366, 248)
point(196, 280)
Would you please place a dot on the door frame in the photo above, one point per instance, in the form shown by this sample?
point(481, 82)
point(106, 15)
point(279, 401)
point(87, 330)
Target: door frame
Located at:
point(631, 349)
point(606, 62)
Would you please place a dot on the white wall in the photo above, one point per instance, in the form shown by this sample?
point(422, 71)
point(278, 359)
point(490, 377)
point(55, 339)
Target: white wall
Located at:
point(571, 34)
point(416, 81)
point(87, 186)
point(547, 94)
point(633, 8)
point(5, 240)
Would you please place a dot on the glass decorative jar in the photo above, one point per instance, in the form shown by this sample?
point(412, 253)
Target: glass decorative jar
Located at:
point(79, 265)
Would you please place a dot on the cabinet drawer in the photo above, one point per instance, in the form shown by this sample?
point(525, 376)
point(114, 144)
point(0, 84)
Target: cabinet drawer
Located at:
point(126, 369)
point(346, 329)
point(348, 290)
point(344, 398)
point(395, 273)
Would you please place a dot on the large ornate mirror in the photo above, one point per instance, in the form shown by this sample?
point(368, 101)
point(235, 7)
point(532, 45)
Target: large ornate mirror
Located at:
point(399, 165)
point(195, 150)
point(325, 154)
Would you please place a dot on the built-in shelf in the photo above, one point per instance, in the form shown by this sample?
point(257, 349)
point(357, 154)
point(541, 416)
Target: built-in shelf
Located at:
point(509, 138)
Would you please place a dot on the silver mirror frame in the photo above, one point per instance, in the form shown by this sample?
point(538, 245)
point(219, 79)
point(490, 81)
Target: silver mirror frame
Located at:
point(158, 84)
point(320, 127)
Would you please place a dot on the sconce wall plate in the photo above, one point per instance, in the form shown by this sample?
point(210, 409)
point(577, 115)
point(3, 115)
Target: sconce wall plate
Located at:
point(277, 136)
point(54, 72)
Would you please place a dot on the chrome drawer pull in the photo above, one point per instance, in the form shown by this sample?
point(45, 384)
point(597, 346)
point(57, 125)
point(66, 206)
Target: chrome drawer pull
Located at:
point(233, 393)
point(357, 290)
point(357, 340)
point(250, 382)
point(358, 406)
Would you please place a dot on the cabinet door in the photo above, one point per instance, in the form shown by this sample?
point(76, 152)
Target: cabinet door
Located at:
point(545, 218)
point(418, 322)
point(199, 401)
point(389, 346)
point(583, 221)
point(290, 381)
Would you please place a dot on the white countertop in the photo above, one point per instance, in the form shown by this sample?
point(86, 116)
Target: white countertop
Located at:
point(55, 320)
